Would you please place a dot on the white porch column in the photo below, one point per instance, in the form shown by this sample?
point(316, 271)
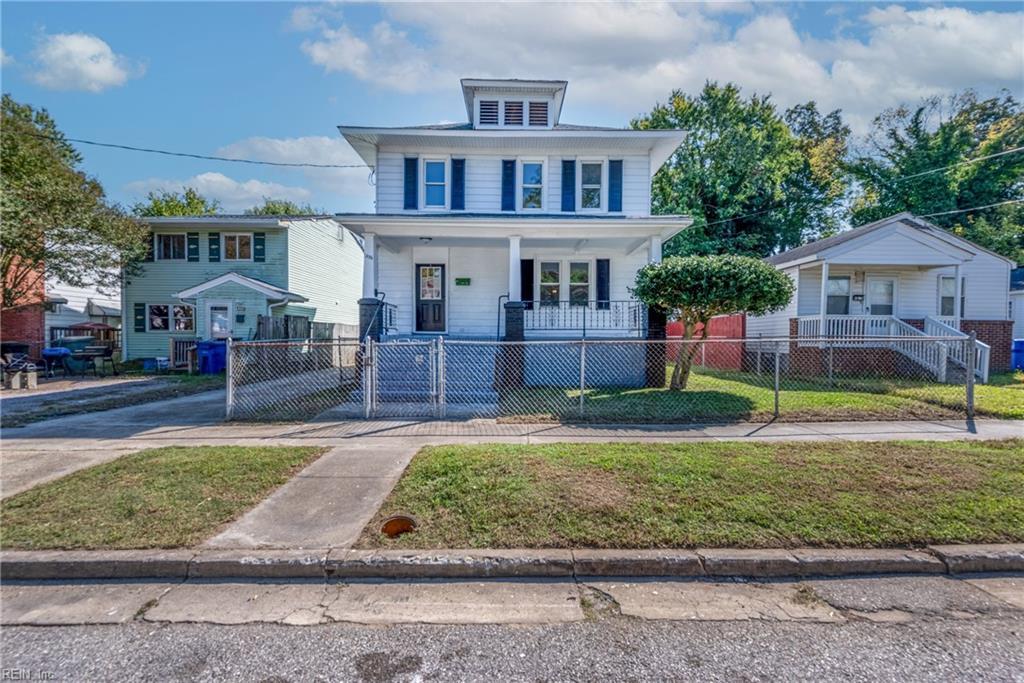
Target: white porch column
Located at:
point(515, 282)
point(369, 265)
point(822, 330)
point(957, 293)
point(654, 255)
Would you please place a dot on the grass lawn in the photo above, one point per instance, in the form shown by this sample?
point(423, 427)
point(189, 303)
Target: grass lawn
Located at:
point(723, 396)
point(673, 495)
point(160, 498)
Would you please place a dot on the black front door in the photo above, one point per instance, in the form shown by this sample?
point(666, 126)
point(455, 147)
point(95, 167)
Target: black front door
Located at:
point(429, 297)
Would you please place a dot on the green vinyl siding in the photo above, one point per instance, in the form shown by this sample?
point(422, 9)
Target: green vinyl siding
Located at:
point(246, 303)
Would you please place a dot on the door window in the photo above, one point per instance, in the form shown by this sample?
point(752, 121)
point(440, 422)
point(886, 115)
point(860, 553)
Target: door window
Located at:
point(882, 296)
point(430, 283)
point(220, 325)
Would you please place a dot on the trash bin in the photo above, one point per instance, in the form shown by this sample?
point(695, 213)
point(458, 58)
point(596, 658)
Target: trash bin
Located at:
point(212, 355)
point(1017, 354)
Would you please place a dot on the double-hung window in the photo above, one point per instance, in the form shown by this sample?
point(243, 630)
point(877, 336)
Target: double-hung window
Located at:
point(947, 295)
point(170, 247)
point(838, 302)
point(533, 184)
point(590, 185)
point(434, 184)
point(550, 282)
point(238, 246)
point(579, 283)
point(168, 318)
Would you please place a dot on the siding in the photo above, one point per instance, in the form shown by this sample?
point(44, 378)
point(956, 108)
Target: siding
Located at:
point(326, 270)
point(483, 179)
point(159, 280)
point(775, 324)
point(74, 311)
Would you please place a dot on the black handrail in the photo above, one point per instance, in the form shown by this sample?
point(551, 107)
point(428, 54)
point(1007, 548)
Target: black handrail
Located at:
point(501, 311)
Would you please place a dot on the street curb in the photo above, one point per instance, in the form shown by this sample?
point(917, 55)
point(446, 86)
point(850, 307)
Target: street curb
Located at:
point(472, 564)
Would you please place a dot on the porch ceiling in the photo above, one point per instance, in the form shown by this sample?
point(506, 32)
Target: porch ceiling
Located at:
point(560, 242)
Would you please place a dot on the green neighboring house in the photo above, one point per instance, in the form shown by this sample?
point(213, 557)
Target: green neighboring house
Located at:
point(212, 277)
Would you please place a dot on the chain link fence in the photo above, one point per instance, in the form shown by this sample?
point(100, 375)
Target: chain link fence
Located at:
point(605, 381)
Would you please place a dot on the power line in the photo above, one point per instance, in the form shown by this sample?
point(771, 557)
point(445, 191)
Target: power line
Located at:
point(973, 208)
point(960, 163)
point(207, 157)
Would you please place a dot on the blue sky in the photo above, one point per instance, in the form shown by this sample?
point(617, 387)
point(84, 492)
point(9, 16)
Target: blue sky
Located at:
point(273, 80)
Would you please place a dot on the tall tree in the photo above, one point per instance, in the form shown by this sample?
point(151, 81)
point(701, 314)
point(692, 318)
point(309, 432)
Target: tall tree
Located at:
point(57, 222)
point(282, 207)
point(890, 168)
point(188, 202)
point(755, 181)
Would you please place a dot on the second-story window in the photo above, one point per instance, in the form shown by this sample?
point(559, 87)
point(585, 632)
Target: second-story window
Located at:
point(590, 185)
point(433, 174)
point(238, 246)
point(533, 184)
point(170, 247)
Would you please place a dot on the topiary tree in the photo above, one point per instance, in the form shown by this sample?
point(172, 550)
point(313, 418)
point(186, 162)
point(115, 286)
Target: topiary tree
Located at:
point(694, 289)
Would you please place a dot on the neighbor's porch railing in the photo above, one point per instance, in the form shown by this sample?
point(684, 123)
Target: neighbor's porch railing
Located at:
point(939, 327)
point(590, 316)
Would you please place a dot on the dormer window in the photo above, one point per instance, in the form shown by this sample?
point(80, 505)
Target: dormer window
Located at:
point(538, 113)
point(488, 112)
point(513, 113)
point(434, 182)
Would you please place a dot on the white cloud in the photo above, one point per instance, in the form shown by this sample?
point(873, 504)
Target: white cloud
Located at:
point(5, 59)
point(627, 56)
point(79, 61)
point(234, 195)
point(317, 149)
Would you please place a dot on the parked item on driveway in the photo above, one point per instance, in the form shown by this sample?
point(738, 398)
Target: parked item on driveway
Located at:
point(212, 355)
point(55, 357)
point(1017, 355)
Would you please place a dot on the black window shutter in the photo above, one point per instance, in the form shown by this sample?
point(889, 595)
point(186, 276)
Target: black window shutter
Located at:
point(603, 284)
point(149, 248)
point(526, 281)
point(458, 184)
point(615, 185)
point(140, 317)
point(411, 200)
point(213, 246)
point(192, 252)
point(568, 184)
point(508, 185)
point(259, 247)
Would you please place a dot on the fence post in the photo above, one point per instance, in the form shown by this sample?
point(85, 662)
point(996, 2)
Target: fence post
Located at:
point(970, 358)
point(368, 388)
point(831, 380)
point(229, 410)
point(776, 380)
point(441, 376)
point(760, 341)
point(583, 372)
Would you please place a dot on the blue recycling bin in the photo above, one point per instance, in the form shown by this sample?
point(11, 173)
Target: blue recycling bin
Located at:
point(1017, 354)
point(212, 356)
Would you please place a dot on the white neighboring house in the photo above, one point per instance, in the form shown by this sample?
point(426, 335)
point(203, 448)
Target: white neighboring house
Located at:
point(67, 306)
point(512, 213)
point(900, 276)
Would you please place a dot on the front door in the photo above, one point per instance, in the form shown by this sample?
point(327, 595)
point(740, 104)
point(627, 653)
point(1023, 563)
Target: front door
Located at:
point(219, 318)
point(430, 298)
point(881, 299)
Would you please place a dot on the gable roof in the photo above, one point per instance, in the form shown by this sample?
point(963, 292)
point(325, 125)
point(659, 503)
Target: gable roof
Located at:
point(265, 288)
point(905, 218)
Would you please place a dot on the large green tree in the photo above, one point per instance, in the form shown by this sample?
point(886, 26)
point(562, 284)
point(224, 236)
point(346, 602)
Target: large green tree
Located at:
point(892, 167)
point(282, 207)
point(754, 180)
point(188, 202)
point(57, 222)
point(694, 289)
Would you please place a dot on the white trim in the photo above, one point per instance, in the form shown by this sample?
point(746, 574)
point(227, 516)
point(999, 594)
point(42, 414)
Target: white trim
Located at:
point(170, 318)
point(603, 161)
point(231, 317)
point(564, 272)
point(269, 291)
point(849, 293)
point(445, 161)
point(958, 308)
point(224, 246)
point(544, 184)
point(895, 293)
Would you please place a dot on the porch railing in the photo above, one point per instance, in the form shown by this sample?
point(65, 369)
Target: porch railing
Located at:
point(845, 326)
point(591, 316)
point(938, 327)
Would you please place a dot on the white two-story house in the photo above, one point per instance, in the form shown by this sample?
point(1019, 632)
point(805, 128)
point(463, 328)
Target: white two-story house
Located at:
point(512, 224)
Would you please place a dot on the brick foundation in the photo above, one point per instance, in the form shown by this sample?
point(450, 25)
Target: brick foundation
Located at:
point(996, 333)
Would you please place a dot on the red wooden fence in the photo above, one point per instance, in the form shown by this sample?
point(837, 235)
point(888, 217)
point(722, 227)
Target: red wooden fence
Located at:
point(720, 356)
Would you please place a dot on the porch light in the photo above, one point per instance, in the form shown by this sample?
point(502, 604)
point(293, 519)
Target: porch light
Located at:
point(426, 240)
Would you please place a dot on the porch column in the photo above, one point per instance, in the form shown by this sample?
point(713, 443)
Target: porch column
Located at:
point(654, 247)
point(957, 293)
point(822, 330)
point(515, 279)
point(369, 266)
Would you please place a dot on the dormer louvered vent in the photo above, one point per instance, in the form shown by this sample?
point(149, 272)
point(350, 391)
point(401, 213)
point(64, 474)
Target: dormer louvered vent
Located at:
point(538, 113)
point(513, 113)
point(488, 112)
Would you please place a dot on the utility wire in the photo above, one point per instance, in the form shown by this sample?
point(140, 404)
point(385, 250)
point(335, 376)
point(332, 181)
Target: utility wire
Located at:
point(973, 208)
point(960, 163)
point(196, 156)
